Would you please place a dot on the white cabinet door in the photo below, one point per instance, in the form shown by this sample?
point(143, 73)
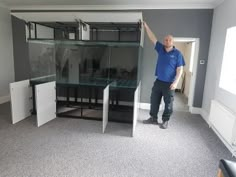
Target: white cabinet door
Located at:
point(105, 108)
point(45, 102)
point(136, 107)
point(21, 100)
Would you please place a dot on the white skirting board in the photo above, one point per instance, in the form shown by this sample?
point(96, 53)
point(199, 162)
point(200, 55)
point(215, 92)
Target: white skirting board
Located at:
point(146, 106)
point(195, 110)
point(4, 99)
point(205, 115)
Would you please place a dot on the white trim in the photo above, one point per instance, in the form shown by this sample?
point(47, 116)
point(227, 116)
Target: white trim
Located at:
point(4, 99)
point(194, 73)
point(116, 7)
point(195, 110)
point(182, 39)
point(195, 65)
point(105, 16)
point(145, 106)
point(205, 115)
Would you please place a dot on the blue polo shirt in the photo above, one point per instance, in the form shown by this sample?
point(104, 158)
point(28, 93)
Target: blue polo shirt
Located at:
point(167, 63)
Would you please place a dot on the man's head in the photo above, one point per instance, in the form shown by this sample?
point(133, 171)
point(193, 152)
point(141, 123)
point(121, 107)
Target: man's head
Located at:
point(168, 41)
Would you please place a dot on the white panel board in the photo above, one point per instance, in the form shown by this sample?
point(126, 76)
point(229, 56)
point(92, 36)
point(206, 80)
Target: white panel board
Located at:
point(45, 102)
point(105, 108)
point(21, 102)
point(136, 107)
point(86, 32)
point(85, 16)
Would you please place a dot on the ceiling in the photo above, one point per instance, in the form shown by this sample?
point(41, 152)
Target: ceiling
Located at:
point(108, 4)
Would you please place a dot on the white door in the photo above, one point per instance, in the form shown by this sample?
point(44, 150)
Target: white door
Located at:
point(45, 102)
point(136, 107)
point(105, 108)
point(21, 100)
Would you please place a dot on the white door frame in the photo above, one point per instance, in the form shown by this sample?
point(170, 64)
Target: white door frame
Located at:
point(194, 72)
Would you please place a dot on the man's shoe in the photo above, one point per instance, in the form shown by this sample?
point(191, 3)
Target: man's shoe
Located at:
point(164, 125)
point(151, 120)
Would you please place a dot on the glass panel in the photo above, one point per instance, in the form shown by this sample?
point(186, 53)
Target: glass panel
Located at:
point(123, 66)
point(42, 61)
point(84, 65)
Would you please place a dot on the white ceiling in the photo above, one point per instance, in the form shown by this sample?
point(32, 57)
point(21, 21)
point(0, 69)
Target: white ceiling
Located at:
point(108, 4)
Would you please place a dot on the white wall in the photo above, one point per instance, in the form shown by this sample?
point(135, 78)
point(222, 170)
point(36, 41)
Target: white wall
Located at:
point(223, 18)
point(6, 54)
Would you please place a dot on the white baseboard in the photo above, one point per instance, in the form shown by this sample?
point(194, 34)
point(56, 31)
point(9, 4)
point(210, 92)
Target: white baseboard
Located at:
point(202, 112)
point(4, 99)
point(195, 110)
point(205, 115)
point(145, 106)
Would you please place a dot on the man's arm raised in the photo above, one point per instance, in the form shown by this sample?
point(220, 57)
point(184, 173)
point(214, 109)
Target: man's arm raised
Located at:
point(150, 34)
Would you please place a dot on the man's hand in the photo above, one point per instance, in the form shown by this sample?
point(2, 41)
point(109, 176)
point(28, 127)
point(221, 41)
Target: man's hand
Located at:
point(173, 86)
point(179, 72)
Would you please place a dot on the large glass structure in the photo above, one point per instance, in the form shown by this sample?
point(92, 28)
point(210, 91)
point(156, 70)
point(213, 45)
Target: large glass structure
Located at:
point(82, 69)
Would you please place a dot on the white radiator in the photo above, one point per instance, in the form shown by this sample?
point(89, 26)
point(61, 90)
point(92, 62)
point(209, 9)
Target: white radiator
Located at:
point(223, 122)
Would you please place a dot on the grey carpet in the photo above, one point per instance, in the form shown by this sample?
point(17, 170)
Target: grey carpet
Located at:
point(77, 148)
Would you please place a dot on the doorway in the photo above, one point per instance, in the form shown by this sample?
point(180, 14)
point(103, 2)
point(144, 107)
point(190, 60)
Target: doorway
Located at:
point(189, 47)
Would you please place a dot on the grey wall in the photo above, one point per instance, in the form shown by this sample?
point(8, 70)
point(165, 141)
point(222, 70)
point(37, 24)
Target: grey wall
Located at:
point(180, 23)
point(224, 17)
point(6, 56)
point(21, 55)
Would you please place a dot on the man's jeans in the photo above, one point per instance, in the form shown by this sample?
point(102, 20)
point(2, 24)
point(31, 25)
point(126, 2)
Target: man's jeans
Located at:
point(162, 89)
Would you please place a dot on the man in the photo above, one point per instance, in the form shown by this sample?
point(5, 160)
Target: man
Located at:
point(169, 68)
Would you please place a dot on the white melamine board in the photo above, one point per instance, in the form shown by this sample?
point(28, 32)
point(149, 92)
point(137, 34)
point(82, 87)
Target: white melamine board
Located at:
point(85, 16)
point(136, 107)
point(105, 108)
point(21, 102)
point(86, 32)
point(45, 102)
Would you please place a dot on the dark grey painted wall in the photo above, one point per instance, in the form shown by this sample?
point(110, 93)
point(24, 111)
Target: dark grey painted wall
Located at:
point(20, 48)
point(180, 23)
